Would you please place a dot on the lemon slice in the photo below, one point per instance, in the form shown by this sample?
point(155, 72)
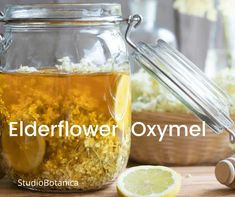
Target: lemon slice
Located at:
point(149, 181)
point(23, 153)
point(122, 107)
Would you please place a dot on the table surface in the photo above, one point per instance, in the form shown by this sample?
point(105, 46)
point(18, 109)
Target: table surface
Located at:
point(197, 181)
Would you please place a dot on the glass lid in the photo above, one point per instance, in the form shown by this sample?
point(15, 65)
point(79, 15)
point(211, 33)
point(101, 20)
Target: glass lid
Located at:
point(184, 79)
point(109, 12)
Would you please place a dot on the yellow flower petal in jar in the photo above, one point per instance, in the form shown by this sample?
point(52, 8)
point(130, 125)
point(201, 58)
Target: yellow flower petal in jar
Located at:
point(23, 153)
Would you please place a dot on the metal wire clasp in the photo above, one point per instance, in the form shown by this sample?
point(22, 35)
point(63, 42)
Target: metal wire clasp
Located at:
point(133, 22)
point(231, 135)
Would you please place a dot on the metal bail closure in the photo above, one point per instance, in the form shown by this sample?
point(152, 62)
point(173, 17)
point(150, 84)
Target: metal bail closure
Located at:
point(184, 80)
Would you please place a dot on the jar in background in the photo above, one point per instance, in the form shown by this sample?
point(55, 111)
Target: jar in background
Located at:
point(220, 60)
point(64, 65)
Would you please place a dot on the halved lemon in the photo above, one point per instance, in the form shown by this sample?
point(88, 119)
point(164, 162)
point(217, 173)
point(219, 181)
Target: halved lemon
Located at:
point(23, 153)
point(122, 107)
point(149, 181)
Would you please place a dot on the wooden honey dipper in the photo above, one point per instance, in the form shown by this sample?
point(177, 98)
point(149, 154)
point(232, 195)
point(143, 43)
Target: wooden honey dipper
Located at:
point(225, 172)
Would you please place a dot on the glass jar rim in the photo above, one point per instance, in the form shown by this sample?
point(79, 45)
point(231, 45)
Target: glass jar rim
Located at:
point(92, 12)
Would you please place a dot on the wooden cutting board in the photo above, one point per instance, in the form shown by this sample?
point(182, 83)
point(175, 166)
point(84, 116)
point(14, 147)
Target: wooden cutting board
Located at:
point(197, 182)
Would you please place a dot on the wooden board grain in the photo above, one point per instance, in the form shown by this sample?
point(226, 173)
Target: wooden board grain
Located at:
point(197, 181)
point(201, 181)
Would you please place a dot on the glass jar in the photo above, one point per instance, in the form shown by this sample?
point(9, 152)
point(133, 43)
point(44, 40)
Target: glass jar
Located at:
point(150, 31)
point(220, 60)
point(64, 96)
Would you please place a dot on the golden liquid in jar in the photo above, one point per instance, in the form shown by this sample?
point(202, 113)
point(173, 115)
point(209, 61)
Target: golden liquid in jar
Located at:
point(86, 99)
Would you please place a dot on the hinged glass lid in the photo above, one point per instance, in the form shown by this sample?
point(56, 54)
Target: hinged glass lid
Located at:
point(184, 80)
point(105, 12)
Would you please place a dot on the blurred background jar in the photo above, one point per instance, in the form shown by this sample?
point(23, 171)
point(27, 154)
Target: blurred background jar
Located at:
point(221, 49)
point(220, 60)
point(149, 31)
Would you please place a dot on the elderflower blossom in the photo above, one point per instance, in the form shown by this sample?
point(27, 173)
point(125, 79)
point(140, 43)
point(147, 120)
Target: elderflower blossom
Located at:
point(85, 65)
point(226, 7)
point(200, 8)
point(149, 95)
point(26, 69)
point(92, 161)
point(208, 8)
point(225, 79)
point(65, 64)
